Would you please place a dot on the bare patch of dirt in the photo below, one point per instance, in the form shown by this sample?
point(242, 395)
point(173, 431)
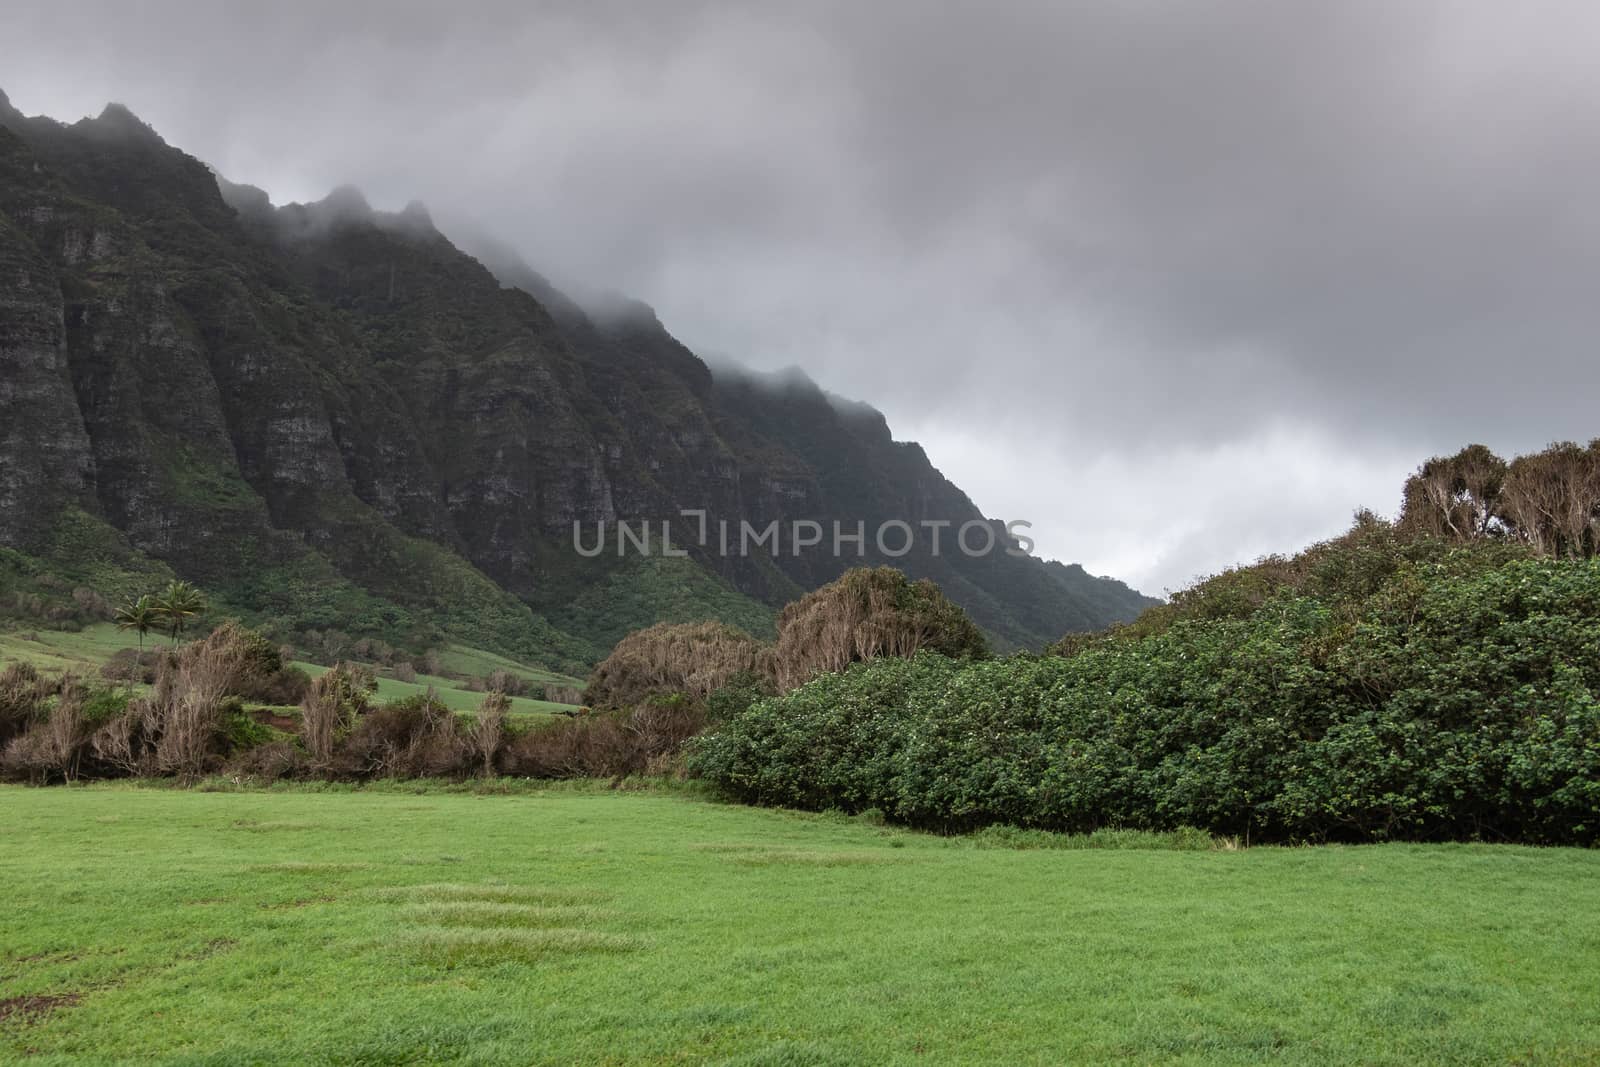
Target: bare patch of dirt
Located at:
point(31, 1009)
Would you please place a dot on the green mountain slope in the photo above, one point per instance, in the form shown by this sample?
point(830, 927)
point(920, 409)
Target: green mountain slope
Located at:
point(341, 424)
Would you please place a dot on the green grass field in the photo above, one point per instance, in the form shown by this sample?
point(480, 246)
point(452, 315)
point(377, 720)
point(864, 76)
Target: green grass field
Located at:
point(449, 693)
point(574, 926)
point(475, 661)
point(83, 652)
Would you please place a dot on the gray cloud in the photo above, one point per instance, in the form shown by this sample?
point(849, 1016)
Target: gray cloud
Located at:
point(1181, 283)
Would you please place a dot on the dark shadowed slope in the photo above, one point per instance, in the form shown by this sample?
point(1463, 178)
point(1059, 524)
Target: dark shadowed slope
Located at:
point(335, 417)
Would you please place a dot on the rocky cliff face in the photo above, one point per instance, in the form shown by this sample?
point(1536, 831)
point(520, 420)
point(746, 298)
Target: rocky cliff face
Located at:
point(336, 416)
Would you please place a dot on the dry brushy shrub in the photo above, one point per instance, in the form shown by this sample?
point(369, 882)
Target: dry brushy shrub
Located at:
point(587, 747)
point(269, 762)
point(865, 614)
point(126, 744)
point(190, 688)
point(67, 729)
point(693, 659)
point(54, 746)
point(23, 693)
point(413, 738)
point(131, 666)
point(179, 728)
point(488, 732)
point(284, 687)
point(405, 671)
point(606, 745)
point(563, 694)
point(503, 681)
point(331, 708)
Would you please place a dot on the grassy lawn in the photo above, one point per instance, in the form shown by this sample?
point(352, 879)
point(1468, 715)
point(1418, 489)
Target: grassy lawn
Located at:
point(83, 652)
point(478, 663)
point(448, 693)
point(592, 927)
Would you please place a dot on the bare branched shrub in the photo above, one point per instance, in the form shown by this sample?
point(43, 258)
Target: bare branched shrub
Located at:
point(692, 659)
point(404, 671)
point(23, 692)
point(865, 614)
point(331, 709)
point(54, 746)
point(67, 729)
point(190, 688)
point(413, 738)
point(661, 728)
point(597, 746)
point(269, 762)
point(606, 745)
point(489, 729)
point(503, 681)
point(563, 694)
point(126, 744)
point(132, 666)
point(1549, 500)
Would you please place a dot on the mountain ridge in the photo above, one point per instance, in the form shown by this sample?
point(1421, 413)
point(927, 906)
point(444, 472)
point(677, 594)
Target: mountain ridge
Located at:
point(337, 417)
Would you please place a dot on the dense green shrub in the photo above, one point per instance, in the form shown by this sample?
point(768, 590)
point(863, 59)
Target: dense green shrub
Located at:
point(1446, 699)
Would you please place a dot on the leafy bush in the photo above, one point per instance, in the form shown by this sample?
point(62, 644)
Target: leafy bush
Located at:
point(1457, 699)
point(734, 698)
point(243, 732)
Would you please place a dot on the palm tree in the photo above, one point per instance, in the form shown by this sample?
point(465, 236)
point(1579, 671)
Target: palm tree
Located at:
point(176, 605)
point(140, 616)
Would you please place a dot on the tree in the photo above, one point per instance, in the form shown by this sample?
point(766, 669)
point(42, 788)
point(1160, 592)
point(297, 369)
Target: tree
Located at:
point(1455, 497)
point(1551, 500)
point(489, 728)
point(141, 616)
point(176, 605)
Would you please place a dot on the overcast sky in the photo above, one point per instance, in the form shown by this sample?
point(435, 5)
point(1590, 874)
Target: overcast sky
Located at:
point(1181, 283)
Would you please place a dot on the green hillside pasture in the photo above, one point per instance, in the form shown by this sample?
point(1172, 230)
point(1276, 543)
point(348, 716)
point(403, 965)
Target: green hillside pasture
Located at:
point(459, 659)
point(448, 693)
point(83, 652)
point(300, 927)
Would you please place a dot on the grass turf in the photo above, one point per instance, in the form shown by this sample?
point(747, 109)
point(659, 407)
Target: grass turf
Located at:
point(83, 651)
point(448, 693)
point(563, 927)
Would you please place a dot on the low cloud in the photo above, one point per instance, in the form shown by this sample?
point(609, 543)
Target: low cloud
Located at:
point(1184, 283)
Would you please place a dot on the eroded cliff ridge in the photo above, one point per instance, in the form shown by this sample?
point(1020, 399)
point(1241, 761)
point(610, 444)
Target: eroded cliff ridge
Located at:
point(335, 418)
